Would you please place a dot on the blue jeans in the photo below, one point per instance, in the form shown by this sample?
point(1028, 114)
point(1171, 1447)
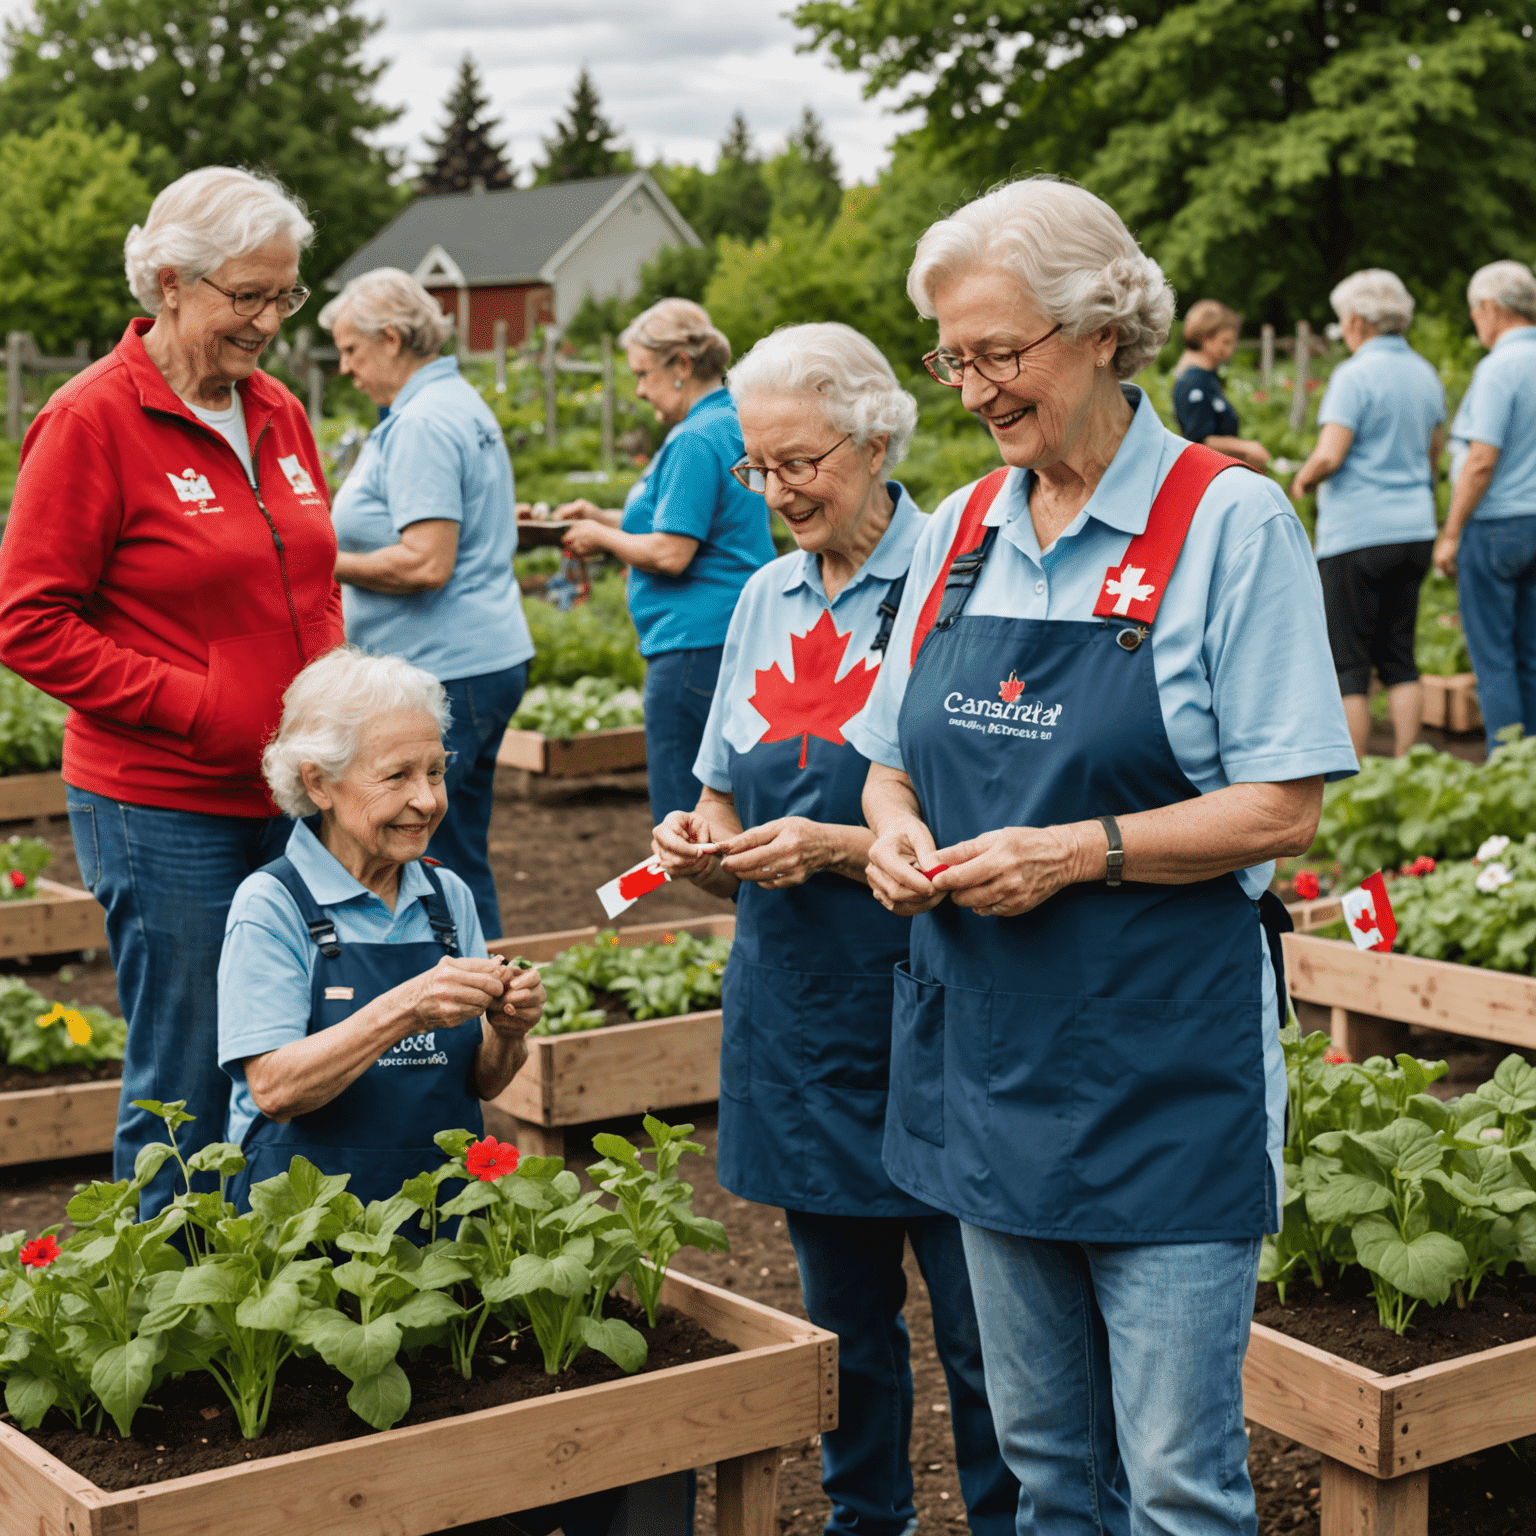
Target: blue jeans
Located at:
point(854, 1285)
point(166, 879)
point(481, 708)
point(679, 686)
point(1116, 1376)
point(1496, 588)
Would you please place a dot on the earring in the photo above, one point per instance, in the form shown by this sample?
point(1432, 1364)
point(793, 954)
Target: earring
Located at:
point(1103, 361)
point(677, 383)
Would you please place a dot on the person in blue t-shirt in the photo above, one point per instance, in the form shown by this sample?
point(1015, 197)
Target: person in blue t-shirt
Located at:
point(1489, 539)
point(689, 532)
point(1205, 414)
point(1374, 469)
point(426, 527)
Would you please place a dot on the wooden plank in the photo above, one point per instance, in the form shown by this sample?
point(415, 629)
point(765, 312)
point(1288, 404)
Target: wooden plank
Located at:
point(586, 752)
point(1309, 1395)
point(721, 927)
point(535, 1140)
point(1357, 1504)
point(24, 796)
point(1361, 1035)
point(1459, 1406)
point(523, 749)
point(1460, 999)
point(539, 947)
point(37, 1124)
point(1317, 913)
point(58, 919)
point(1450, 703)
point(747, 1495)
point(40, 1496)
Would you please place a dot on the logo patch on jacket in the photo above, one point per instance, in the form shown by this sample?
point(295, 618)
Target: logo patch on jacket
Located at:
point(190, 486)
point(297, 475)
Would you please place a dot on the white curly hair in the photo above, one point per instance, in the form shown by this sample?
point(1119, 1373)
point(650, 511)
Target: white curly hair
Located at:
point(389, 297)
point(845, 372)
point(1509, 283)
point(1376, 296)
point(325, 710)
point(1069, 250)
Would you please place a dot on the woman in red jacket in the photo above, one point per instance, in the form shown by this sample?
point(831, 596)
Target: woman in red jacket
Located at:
point(166, 572)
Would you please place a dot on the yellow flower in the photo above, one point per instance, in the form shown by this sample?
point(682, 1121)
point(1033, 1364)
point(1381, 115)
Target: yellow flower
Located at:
point(74, 1022)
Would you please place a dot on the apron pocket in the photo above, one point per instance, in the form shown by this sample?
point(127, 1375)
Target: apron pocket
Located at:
point(917, 1055)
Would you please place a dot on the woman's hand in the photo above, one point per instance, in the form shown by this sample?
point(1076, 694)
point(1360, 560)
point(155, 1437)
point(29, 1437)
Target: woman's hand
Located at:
point(585, 538)
point(521, 1005)
point(574, 510)
point(782, 853)
point(685, 846)
point(456, 989)
point(897, 859)
point(1446, 547)
point(1012, 870)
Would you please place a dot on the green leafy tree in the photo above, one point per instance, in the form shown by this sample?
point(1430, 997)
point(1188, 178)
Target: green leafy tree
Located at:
point(284, 88)
point(67, 199)
point(803, 179)
point(464, 153)
point(584, 143)
point(735, 199)
point(1258, 147)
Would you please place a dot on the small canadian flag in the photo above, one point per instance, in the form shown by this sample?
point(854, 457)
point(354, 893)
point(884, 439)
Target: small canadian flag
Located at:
point(622, 892)
point(1368, 914)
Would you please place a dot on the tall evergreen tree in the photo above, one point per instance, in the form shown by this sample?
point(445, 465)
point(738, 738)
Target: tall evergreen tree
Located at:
point(583, 146)
point(464, 153)
point(803, 178)
point(285, 89)
point(735, 200)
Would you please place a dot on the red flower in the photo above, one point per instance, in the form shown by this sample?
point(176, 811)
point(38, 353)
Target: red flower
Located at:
point(488, 1160)
point(1260, 396)
point(1307, 888)
point(18, 880)
point(1336, 1057)
point(40, 1252)
point(1423, 865)
point(669, 938)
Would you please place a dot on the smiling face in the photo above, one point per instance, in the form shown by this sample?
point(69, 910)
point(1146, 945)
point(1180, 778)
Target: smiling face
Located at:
point(1034, 417)
point(216, 342)
point(387, 805)
point(827, 512)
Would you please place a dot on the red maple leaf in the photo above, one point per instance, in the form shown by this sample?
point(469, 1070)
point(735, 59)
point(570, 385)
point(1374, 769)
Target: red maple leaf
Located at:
point(1366, 920)
point(1008, 692)
point(817, 702)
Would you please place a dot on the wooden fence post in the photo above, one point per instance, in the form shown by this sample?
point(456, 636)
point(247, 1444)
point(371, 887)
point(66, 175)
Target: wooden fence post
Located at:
point(551, 399)
point(500, 332)
point(316, 395)
point(608, 402)
point(1266, 356)
point(1302, 369)
point(13, 343)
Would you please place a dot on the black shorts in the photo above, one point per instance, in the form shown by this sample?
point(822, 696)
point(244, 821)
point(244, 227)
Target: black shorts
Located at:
point(1371, 597)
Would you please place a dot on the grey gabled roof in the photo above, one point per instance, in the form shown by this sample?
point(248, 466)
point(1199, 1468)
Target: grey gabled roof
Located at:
point(510, 236)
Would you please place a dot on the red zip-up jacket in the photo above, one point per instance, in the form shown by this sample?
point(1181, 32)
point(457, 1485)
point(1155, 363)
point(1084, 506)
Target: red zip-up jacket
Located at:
point(146, 584)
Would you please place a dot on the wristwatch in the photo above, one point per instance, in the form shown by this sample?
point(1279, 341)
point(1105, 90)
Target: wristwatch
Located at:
point(1114, 857)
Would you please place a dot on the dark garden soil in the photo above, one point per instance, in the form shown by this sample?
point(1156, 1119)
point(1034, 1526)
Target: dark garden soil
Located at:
point(197, 1430)
point(17, 1079)
point(550, 851)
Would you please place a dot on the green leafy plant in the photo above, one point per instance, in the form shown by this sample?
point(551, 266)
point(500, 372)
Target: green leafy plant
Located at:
point(594, 639)
point(1479, 913)
point(1439, 646)
point(31, 727)
point(678, 974)
point(589, 704)
point(76, 1035)
point(22, 860)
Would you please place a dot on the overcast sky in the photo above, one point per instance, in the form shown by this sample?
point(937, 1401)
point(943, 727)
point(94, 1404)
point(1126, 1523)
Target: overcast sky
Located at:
point(671, 72)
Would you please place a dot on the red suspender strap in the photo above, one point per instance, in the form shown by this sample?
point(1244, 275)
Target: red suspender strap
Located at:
point(1135, 589)
point(967, 536)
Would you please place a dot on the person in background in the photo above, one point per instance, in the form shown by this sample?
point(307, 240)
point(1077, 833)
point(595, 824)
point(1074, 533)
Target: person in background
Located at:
point(690, 533)
point(1205, 414)
point(1374, 469)
point(1489, 539)
point(808, 991)
point(426, 529)
point(166, 572)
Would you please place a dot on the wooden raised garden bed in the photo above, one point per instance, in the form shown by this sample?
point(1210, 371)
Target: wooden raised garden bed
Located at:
point(1317, 913)
point(1450, 703)
point(734, 1410)
point(1380, 1435)
point(586, 752)
point(24, 796)
point(621, 1069)
point(38, 1124)
point(1375, 997)
point(58, 919)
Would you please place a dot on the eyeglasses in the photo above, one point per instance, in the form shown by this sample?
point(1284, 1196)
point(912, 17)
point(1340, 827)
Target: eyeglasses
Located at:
point(248, 303)
point(793, 472)
point(994, 367)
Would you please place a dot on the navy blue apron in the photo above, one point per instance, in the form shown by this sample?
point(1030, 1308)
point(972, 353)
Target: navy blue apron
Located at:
point(379, 1128)
point(807, 997)
point(1094, 1069)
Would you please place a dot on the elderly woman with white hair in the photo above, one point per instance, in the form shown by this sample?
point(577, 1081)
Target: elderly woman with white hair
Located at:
point(689, 533)
point(1489, 539)
point(359, 1013)
point(1105, 711)
point(1374, 469)
point(427, 527)
point(192, 584)
point(808, 992)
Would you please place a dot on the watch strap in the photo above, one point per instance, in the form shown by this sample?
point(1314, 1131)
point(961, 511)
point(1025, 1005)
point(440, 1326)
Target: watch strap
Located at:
point(1114, 857)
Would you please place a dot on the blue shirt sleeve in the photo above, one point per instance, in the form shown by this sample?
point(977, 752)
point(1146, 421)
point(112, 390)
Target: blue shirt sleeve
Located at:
point(423, 472)
point(713, 764)
point(686, 486)
point(1490, 404)
point(461, 908)
point(1344, 400)
point(264, 974)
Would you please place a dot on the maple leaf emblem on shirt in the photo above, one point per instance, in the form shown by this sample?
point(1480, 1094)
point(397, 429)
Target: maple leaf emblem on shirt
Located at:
point(817, 702)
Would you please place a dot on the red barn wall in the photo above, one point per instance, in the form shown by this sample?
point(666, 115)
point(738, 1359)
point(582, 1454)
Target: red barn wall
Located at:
point(523, 306)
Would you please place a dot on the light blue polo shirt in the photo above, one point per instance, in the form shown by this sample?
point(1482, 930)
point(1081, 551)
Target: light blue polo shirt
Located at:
point(1383, 493)
point(1499, 409)
point(1240, 651)
point(266, 968)
point(437, 453)
point(689, 489)
point(785, 599)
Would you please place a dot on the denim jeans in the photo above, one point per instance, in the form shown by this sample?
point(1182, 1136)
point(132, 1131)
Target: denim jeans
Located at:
point(481, 708)
point(1115, 1374)
point(854, 1286)
point(679, 687)
point(166, 879)
point(1496, 588)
